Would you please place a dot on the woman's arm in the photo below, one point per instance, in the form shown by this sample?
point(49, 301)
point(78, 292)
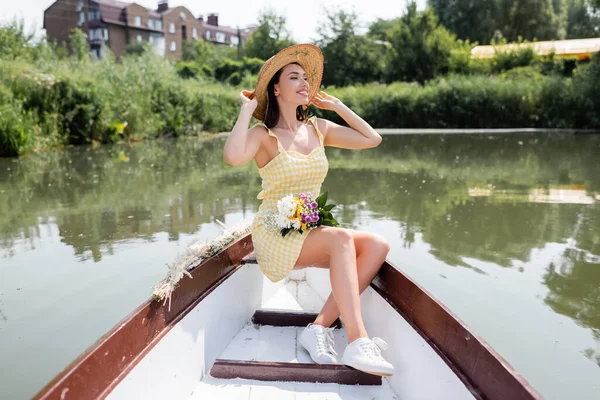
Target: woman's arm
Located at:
point(242, 144)
point(360, 135)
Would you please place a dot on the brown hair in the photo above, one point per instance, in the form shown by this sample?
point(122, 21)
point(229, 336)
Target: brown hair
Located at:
point(272, 112)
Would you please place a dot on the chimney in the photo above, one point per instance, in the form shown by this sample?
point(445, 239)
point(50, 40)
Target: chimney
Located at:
point(213, 19)
point(201, 18)
point(163, 5)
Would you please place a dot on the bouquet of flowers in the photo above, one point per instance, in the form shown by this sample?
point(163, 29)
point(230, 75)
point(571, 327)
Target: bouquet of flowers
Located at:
point(301, 213)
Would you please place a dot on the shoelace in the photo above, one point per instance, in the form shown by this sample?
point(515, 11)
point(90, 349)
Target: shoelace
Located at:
point(325, 341)
point(373, 348)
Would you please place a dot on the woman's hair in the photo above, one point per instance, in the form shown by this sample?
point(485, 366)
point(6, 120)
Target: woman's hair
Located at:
point(272, 111)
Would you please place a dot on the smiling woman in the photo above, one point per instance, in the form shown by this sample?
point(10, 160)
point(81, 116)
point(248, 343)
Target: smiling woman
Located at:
point(288, 147)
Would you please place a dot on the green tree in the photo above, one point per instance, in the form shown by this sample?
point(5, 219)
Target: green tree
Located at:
point(350, 58)
point(381, 28)
point(197, 50)
point(79, 45)
point(469, 20)
point(582, 21)
point(270, 36)
point(14, 42)
point(137, 49)
point(483, 20)
point(532, 19)
point(420, 47)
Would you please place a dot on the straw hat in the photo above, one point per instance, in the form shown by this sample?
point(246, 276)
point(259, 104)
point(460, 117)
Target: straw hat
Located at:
point(310, 59)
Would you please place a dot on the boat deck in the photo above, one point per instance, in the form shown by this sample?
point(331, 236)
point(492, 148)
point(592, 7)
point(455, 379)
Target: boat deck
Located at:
point(280, 344)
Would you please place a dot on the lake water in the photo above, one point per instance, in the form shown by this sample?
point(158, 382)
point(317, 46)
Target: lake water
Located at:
point(503, 229)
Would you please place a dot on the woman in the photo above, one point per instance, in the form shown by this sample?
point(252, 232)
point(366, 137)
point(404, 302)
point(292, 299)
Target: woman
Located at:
point(288, 148)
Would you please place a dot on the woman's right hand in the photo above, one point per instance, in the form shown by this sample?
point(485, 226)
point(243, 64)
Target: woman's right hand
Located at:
point(248, 100)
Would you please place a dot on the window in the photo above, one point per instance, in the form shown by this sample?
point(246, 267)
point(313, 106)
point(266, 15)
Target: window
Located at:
point(105, 34)
point(235, 40)
point(158, 43)
point(207, 35)
point(158, 24)
point(139, 38)
point(94, 15)
point(151, 23)
point(220, 37)
point(194, 33)
point(137, 20)
point(182, 15)
point(81, 18)
point(171, 28)
point(173, 46)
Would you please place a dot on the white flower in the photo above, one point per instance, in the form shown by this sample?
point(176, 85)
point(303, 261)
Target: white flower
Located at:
point(283, 221)
point(297, 224)
point(286, 206)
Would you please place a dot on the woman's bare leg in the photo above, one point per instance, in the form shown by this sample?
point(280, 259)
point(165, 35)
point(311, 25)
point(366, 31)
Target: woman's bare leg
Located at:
point(337, 246)
point(371, 251)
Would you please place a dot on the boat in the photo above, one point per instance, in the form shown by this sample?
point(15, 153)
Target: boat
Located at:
point(230, 333)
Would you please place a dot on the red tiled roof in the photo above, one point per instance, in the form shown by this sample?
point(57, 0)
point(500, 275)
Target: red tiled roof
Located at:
point(113, 12)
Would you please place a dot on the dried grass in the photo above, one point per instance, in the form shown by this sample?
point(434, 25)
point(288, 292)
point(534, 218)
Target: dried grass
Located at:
point(193, 255)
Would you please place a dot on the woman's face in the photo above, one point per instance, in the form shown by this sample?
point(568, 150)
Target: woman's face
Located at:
point(293, 85)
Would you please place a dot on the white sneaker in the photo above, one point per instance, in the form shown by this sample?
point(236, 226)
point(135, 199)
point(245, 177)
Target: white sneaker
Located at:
point(318, 341)
point(364, 354)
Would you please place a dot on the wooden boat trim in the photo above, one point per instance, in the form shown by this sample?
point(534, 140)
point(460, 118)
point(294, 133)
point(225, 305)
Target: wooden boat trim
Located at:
point(104, 364)
point(483, 371)
point(287, 318)
point(294, 372)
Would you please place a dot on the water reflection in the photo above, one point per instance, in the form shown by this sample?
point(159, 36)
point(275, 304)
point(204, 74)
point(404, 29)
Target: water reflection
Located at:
point(490, 199)
point(97, 200)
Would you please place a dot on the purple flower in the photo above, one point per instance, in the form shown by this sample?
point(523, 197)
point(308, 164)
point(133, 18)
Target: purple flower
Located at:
point(315, 218)
point(314, 204)
point(302, 196)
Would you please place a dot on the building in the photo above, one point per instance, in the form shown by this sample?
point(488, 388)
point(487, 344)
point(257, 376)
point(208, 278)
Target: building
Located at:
point(582, 49)
point(116, 24)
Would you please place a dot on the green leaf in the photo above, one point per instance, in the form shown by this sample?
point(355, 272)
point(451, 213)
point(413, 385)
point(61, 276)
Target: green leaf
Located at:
point(329, 207)
point(322, 200)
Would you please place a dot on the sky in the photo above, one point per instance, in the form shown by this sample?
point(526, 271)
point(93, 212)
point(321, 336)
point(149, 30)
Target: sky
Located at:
point(302, 16)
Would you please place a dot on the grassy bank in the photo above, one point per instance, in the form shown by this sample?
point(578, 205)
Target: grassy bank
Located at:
point(49, 99)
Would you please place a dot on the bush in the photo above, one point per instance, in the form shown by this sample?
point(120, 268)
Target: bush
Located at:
point(187, 69)
point(586, 90)
point(521, 98)
point(521, 57)
point(234, 71)
point(522, 73)
point(16, 130)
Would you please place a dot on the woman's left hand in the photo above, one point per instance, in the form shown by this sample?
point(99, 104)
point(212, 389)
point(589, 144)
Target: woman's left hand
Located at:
point(326, 101)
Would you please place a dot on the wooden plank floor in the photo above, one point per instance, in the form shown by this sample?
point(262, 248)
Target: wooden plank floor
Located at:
point(279, 344)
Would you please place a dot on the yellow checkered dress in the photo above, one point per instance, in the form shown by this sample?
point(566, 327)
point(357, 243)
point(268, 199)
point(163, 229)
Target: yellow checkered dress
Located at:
point(290, 172)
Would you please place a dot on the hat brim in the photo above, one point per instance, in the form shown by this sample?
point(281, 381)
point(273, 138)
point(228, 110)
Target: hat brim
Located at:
point(308, 56)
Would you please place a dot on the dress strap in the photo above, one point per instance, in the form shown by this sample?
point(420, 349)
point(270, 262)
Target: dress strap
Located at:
point(313, 119)
point(279, 146)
